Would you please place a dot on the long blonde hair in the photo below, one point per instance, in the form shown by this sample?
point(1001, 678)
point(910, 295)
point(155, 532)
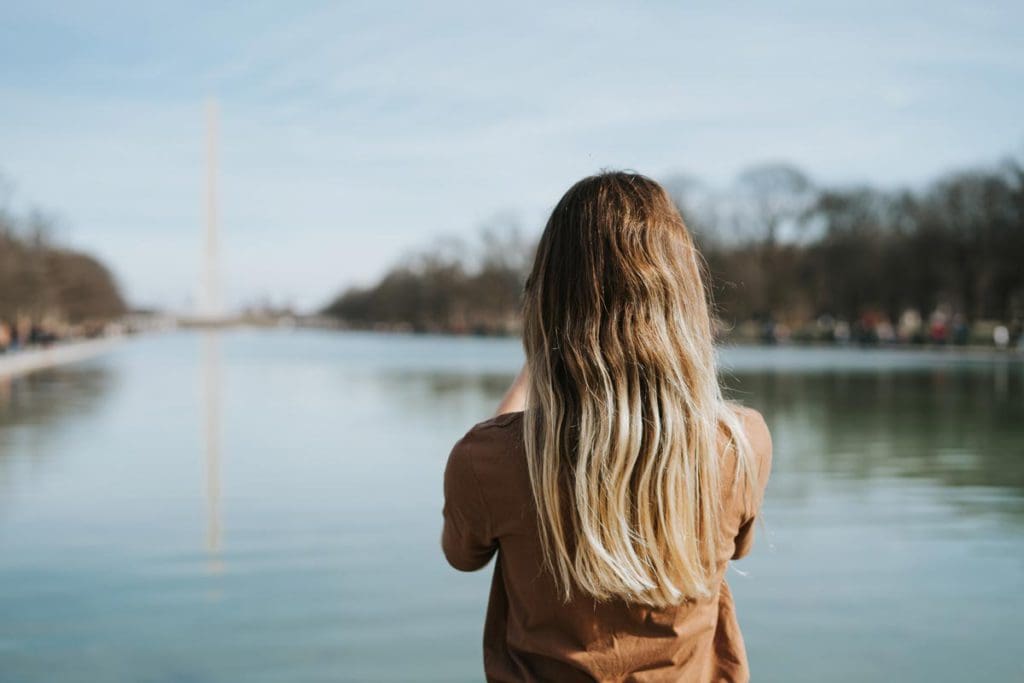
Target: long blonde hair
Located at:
point(624, 411)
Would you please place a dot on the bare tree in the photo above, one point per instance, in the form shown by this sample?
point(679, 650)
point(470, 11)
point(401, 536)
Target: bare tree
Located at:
point(868, 253)
point(773, 196)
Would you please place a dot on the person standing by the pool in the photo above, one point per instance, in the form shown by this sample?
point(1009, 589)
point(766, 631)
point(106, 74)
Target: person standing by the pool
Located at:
point(615, 483)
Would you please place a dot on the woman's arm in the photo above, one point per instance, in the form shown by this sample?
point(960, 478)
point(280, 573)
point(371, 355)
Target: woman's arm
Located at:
point(515, 397)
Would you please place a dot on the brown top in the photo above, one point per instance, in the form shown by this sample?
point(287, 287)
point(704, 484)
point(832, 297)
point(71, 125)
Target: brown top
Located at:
point(530, 634)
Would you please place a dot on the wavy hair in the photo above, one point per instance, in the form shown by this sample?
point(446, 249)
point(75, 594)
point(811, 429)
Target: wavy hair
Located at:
point(624, 413)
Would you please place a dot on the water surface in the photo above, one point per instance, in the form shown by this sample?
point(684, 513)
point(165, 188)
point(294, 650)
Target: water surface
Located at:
point(265, 506)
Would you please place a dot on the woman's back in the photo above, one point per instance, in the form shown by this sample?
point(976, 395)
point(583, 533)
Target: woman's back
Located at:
point(531, 634)
point(618, 482)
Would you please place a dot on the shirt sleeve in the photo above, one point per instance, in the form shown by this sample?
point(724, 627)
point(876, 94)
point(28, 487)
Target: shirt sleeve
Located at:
point(467, 540)
point(761, 443)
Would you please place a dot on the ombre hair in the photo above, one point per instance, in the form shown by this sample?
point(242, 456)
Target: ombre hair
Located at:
point(625, 419)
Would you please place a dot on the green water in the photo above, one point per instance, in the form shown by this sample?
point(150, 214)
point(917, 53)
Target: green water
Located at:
point(265, 506)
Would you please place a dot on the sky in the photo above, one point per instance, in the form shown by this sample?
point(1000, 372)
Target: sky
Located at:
point(352, 133)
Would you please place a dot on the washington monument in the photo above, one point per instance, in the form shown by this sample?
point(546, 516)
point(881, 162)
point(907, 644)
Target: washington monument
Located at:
point(211, 307)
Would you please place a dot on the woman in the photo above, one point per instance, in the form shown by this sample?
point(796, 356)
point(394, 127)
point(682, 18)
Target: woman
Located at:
point(615, 483)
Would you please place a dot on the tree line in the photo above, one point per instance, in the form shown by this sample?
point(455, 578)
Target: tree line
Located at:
point(784, 254)
point(46, 285)
point(453, 286)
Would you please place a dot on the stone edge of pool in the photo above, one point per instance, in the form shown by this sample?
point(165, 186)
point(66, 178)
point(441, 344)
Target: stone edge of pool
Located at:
point(13, 364)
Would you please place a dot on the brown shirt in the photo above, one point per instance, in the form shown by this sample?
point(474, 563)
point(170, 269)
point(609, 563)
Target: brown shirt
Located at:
point(530, 634)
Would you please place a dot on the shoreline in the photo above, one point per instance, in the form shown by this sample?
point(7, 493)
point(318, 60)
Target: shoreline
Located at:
point(725, 342)
point(23, 362)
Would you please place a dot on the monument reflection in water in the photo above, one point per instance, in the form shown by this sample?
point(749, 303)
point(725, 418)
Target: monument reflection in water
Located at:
point(212, 446)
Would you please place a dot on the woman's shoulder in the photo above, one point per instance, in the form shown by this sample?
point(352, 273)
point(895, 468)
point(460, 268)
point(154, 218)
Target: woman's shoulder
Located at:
point(490, 458)
point(490, 438)
point(499, 421)
point(755, 470)
point(756, 430)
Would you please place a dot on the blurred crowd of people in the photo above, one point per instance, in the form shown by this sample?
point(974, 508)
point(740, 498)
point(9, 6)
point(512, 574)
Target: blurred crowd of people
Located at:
point(940, 328)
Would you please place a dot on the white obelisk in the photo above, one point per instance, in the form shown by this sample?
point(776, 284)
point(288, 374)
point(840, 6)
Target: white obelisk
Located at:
point(211, 307)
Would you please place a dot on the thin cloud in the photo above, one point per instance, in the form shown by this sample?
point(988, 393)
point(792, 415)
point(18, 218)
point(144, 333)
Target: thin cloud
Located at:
point(350, 132)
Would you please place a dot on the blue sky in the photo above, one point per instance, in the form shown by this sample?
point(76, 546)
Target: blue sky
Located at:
point(352, 132)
